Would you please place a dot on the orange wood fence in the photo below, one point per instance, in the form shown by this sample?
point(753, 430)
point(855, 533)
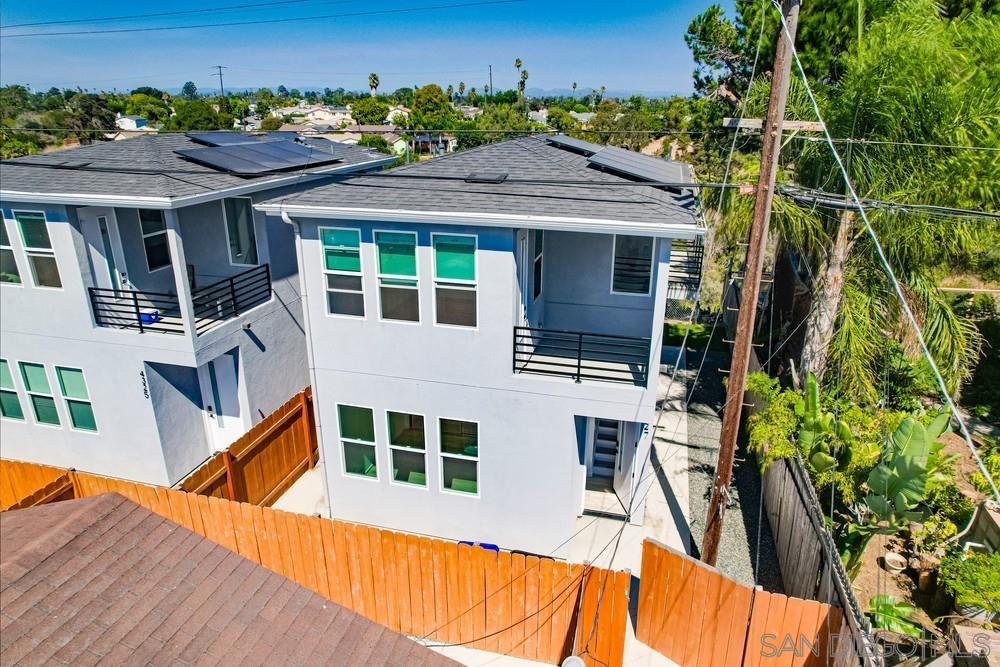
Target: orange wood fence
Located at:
point(18, 480)
point(524, 606)
point(694, 615)
point(265, 461)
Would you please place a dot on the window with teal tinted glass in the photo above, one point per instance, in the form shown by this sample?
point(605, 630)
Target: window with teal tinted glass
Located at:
point(10, 402)
point(38, 249)
point(9, 273)
point(397, 253)
point(454, 257)
point(73, 387)
point(357, 439)
point(459, 455)
point(34, 232)
point(43, 404)
point(342, 268)
point(399, 295)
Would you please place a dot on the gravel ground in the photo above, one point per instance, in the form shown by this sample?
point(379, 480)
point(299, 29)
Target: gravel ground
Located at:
point(737, 550)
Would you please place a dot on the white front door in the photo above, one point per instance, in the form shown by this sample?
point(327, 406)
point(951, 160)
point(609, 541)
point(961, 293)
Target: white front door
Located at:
point(100, 228)
point(220, 387)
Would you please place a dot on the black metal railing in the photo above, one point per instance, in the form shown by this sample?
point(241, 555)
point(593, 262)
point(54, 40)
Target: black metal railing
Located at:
point(160, 312)
point(581, 356)
point(227, 298)
point(140, 311)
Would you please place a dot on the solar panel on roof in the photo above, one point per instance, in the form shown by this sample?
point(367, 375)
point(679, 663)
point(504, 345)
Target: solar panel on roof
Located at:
point(224, 138)
point(585, 147)
point(645, 167)
point(250, 159)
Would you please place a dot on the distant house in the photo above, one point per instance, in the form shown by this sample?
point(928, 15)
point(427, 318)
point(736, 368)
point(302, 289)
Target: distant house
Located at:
point(149, 315)
point(309, 127)
point(584, 118)
point(540, 116)
point(316, 113)
point(434, 143)
point(130, 122)
point(398, 114)
point(469, 112)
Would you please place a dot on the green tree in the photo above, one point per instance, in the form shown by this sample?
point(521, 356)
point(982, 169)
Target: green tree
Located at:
point(373, 83)
point(189, 91)
point(271, 123)
point(141, 104)
point(461, 89)
point(560, 119)
point(496, 123)
point(89, 115)
point(432, 110)
point(574, 90)
point(369, 111)
point(198, 115)
point(375, 141)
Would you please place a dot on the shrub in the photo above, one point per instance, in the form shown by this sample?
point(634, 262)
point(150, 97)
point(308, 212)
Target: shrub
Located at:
point(973, 578)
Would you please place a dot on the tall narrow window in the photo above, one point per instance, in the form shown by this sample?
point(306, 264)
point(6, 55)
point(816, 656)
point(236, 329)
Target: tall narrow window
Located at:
point(38, 249)
point(406, 446)
point(459, 456)
point(357, 437)
point(342, 267)
point(154, 239)
point(36, 381)
point(455, 280)
point(633, 265)
point(398, 291)
point(240, 231)
point(537, 239)
point(73, 388)
point(8, 265)
point(10, 402)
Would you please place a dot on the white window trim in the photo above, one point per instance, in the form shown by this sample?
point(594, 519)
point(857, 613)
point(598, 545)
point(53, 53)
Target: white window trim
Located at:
point(341, 440)
point(540, 257)
point(253, 225)
point(388, 439)
point(13, 253)
point(474, 284)
point(442, 455)
point(652, 259)
point(145, 236)
point(66, 400)
point(14, 369)
point(392, 276)
point(359, 274)
point(28, 394)
point(27, 250)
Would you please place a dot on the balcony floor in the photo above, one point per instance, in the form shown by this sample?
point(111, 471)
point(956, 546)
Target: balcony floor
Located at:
point(605, 365)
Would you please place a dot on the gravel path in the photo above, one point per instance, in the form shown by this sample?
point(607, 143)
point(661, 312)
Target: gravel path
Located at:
point(737, 549)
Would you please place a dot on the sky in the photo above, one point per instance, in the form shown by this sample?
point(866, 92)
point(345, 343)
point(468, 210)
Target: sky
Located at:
point(634, 46)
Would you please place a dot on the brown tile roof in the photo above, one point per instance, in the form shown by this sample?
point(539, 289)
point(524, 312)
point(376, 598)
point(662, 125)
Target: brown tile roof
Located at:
point(104, 580)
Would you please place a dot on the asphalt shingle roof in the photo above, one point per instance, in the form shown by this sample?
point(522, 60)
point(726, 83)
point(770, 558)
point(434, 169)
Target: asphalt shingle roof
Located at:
point(523, 158)
point(103, 580)
point(129, 162)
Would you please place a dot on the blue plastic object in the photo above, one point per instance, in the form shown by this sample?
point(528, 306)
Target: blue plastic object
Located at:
point(484, 545)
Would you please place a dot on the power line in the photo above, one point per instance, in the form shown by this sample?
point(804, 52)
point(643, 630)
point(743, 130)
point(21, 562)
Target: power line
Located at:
point(885, 142)
point(904, 305)
point(832, 200)
point(206, 10)
point(375, 12)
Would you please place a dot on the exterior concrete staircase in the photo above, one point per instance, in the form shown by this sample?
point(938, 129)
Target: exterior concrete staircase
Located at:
point(605, 448)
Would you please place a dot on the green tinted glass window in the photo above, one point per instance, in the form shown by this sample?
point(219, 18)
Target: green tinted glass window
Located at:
point(455, 257)
point(341, 249)
point(360, 460)
point(34, 378)
point(81, 414)
point(397, 253)
point(34, 233)
point(6, 377)
point(10, 405)
point(356, 423)
point(71, 383)
point(45, 409)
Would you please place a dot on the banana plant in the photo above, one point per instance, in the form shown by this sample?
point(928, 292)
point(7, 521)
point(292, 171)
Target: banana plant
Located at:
point(824, 439)
point(896, 488)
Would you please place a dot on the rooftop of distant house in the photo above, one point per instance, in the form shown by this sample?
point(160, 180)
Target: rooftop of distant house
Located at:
point(533, 180)
point(104, 580)
point(149, 171)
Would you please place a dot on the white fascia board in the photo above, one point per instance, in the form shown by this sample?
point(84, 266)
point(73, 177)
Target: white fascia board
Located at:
point(593, 225)
point(190, 200)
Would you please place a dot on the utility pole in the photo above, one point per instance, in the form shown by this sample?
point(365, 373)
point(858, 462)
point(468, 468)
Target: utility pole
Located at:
point(491, 82)
point(751, 283)
point(219, 68)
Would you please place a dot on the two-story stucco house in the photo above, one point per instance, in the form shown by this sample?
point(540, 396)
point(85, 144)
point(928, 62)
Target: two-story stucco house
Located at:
point(485, 333)
point(148, 316)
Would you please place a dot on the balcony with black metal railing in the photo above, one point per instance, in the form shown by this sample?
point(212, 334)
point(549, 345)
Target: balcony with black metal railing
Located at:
point(582, 356)
point(160, 312)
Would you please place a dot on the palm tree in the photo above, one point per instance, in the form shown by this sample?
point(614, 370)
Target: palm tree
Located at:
point(517, 64)
point(373, 83)
point(451, 93)
point(522, 82)
point(574, 90)
point(461, 89)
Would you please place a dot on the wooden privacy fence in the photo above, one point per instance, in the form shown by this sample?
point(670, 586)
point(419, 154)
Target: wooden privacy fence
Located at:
point(265, 461)
point(18, 480)
point(524, 606)
point(694, 615)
